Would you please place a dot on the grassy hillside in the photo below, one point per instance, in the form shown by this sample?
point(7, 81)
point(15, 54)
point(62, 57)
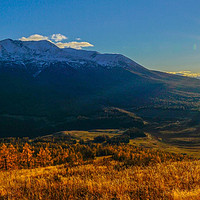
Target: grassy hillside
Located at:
point(104, 179)
point(98, 164)
point(57, 168)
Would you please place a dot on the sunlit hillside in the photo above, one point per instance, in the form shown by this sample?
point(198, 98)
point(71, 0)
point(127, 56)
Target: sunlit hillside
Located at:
point(104, 179)
point(102, 168)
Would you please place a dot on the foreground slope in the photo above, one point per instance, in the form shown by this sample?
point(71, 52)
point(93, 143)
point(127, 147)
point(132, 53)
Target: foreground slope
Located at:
point(104, 180)
point(59, 170)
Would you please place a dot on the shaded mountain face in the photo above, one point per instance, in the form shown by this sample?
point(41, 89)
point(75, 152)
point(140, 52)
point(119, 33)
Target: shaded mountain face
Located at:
point(45, 89)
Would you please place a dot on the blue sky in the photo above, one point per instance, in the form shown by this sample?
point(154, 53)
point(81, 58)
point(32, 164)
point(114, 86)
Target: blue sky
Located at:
point(159, 34)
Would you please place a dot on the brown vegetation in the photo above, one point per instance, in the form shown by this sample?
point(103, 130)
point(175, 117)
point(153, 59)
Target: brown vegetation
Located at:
point(96, 171)
point(104, 180)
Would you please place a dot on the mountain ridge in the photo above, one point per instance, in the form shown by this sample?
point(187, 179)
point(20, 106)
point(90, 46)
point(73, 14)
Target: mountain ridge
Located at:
point(69, 89)
point(44, 50)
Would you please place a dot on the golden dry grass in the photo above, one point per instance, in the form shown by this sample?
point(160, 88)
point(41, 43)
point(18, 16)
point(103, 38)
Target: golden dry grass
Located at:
point(104, 179)
point(154, 143)
point(89, 135)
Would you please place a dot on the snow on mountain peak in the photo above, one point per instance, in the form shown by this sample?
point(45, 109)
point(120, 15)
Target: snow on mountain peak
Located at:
point(19, 50)
point(12, 47)
point(42, 45)
point(46, 51)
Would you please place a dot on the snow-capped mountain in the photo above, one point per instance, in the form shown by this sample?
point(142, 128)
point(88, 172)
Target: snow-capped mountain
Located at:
point(45, 89)
point(41, 52)
point(16, 50)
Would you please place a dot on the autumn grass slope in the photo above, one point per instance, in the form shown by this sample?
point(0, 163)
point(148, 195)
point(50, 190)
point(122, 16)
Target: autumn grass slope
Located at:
point(104, 179)
point(51, 171)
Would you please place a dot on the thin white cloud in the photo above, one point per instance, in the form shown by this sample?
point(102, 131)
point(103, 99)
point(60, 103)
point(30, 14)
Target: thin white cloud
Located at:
point(74, 45)
point(58, 37)
point(78, 39)
point(35, 37)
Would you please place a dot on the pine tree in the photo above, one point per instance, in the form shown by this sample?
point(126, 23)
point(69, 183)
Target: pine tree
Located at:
point(8, 157)
point(27, 156)
point(13, 157)
point(44, 157)
point(4, 157)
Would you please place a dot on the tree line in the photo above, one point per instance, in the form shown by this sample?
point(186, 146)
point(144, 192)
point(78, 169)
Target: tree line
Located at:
point(27, 155)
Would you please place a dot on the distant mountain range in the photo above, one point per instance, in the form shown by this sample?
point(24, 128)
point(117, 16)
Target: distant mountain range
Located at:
point(45, 89)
